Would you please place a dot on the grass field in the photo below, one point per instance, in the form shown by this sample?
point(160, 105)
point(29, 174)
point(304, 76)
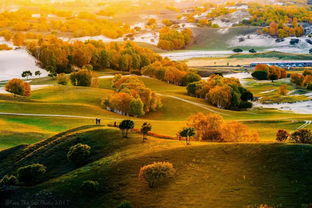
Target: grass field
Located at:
point(82, 101)
point(208, 174)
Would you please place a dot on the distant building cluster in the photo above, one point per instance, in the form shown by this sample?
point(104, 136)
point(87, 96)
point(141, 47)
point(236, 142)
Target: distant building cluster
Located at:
point(285, 64)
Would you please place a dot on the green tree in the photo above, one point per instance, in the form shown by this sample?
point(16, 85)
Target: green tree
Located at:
point(146, 127)
point(27, 74)
point(81, 78)
point(125, 126)
point(38, 73)
point(187, 133)
point(136, 107)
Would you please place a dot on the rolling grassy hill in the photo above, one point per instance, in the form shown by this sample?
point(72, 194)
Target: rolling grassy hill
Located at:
point(208, 174)
point(82, 101)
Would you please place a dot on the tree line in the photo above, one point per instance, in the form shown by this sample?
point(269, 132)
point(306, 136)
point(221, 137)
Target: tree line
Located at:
point(267, 72)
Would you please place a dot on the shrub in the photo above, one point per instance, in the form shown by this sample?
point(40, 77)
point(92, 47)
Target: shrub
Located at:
point(157, 173)
point(79, 154)
point(245, 104)
point(8, 180)
point(90, 187)
point(282, 135)
point(62, 79)
point(31, 174)
point(18, 87)
point(302, 136)
point(237, 50)
point(125, 204)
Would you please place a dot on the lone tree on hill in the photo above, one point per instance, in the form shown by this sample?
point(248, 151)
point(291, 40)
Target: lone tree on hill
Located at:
point(146, 127)
point(125, 126)
point(187, 132)
point(27, 74)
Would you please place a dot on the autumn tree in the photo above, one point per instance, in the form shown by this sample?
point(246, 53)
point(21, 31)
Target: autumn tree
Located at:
point(220, 96)
point(18, 87)
point(282, 90)
point(282, 135)
point(207, 126)
point(297, 79)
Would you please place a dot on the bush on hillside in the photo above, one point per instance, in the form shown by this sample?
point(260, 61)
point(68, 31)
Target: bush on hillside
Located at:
point(62, 79)
point(282, 135)
point(90, 187)
point(302, 136)
point(8, 180)
point(125, 204)
point(157, 173)
point(31, 174)
point(79, 154)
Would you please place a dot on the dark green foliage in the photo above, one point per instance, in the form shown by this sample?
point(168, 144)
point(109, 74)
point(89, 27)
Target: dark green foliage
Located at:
point(245, 105)
point(8, 180)
point(125, 126)
point(27, 74)
point(260, 75)
point(191, 88)
point(302, 136)
point(252, 51)
point(81, 78)
point(246, 95)
point(146, 127)
point(187, 132)
point(125, 204)
point(31, 174)
point(282, 135)
point(237, 50)
point(89, 187)
point(79, 154)
point(189, 78)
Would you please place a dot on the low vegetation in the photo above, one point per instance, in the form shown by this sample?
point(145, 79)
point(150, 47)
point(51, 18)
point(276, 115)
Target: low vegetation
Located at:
point(302, 80)
point(157, 173)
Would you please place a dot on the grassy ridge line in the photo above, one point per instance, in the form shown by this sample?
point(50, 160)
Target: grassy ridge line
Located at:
point(224, 175)
point(274, 54)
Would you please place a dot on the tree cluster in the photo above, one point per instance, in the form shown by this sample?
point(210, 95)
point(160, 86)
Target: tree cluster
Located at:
point(212, 127)
point(58, 56)
point(172, 39)
point(303, 80)
point(280, 21)
point(172, 72)
point(266, 72)
point(226, 93)
point(131, 97)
